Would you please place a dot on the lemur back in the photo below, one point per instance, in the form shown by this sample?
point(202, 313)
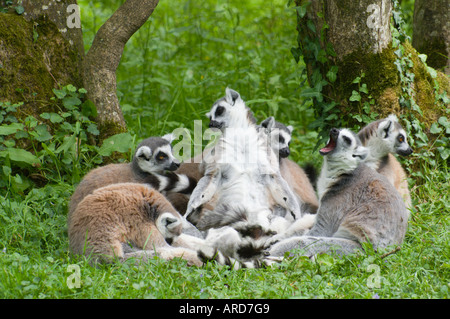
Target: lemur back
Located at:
point(115, 216)
point(152, 164)
point(357, 204)
point(384, 138)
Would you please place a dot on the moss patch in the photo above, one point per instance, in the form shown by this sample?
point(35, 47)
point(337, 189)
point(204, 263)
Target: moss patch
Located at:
point(425, 95)
point(34, 59)
point(382, 80)
point(380, 76)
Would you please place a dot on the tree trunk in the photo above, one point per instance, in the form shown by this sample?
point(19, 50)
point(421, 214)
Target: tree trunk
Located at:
point(41, 48)
point(103, 58)
point(431, 32)
point(61, 14)
point(36, 57)
point(355, 70)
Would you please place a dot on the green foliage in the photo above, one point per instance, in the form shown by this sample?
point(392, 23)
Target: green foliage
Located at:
point(317, 53)
point(171, 72)
point(440, 147)
point(55, 147)
point(365, 114)
point(186, 54)
point(5, 5)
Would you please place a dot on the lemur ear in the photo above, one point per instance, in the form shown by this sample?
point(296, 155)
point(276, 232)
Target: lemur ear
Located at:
point(168, 137)
point(361, 152)
point(384, 128)
point(290, 128)
point(231, 96)
point(144, 151)
point(393, 118)
point(268, 122)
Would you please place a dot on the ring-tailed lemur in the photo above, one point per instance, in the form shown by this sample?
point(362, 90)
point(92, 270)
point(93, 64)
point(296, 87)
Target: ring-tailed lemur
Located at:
point(240, 188)
point(221, 117)
point(384, 138)
point(295, 176)
point(110, 218)
point(153, 163)
point(357, 204)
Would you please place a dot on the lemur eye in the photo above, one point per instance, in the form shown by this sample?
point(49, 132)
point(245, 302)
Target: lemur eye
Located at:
point(401, 138)
point(161, 156)
point(219, 110)
point(347, 140)
point(281, 139)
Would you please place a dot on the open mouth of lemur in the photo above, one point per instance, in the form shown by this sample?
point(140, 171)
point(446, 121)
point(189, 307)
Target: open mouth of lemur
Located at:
point(334, 133)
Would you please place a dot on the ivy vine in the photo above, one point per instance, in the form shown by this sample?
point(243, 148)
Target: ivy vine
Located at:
point(317, 53)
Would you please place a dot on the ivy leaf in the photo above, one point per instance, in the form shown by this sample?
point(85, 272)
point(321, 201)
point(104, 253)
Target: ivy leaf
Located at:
point(88, 109)
point(355, 96)
point(435, 129)
point(296, 53)
point(60, 94)
point(444, 122)
point(42, 133)
point(10, 129)
point(92, 128)
point(444, 151)
point(70, 102)
point(332, 74)
point(364, 89)
point(20, 9)
point(357, 80)
point(53, 117)
point(117, 143)
point(20, 155)
point(301, 11)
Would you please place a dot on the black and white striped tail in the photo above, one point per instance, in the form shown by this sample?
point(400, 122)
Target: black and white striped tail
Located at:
point(233, 263)
point(247, 255)
point(172, 182)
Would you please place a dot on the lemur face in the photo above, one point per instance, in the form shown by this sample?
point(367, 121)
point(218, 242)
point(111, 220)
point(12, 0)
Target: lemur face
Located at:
point(154, 155)
point(345, 146)
point(394, 136)
point(226, 111)
point(280, 136)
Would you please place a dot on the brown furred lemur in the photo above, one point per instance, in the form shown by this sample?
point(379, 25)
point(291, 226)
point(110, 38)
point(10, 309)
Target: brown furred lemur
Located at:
point(111, 219)
point(153, 163)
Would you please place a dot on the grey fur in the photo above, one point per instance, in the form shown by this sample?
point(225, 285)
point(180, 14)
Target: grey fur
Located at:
point(144, 168)
point(360, 205)
point(384, 138)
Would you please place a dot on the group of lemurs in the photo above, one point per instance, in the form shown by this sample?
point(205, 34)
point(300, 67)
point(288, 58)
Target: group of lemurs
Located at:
point(242, 202)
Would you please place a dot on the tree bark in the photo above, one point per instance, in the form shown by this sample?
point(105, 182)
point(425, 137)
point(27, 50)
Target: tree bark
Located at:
point(102, 60)
point(50, 64)
point(431, 32)
point(35, 56)
point(59, 13)
point(354, 38)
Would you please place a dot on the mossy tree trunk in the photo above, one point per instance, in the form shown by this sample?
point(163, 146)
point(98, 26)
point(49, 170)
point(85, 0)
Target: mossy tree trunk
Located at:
point(431, 32)
point(35, 57)
point(353, 66)
point(41, 48)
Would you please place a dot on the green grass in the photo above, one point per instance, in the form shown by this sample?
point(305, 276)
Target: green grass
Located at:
point(172, 71)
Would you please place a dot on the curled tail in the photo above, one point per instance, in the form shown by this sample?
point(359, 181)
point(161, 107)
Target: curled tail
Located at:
point(234, 263)
point(172, 182)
